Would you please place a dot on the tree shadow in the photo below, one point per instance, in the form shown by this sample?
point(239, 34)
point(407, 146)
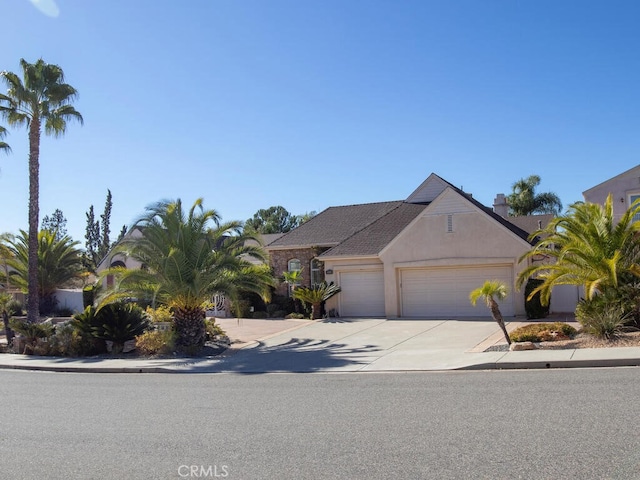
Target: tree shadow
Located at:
point(296, 356)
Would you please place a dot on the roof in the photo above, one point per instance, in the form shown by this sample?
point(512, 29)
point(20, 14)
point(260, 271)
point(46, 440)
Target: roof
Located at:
point(531, 223)
point(377, 235)
point(633, 170)
point(334, 225)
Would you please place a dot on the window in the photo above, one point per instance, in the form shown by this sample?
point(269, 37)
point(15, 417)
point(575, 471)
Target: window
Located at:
point(632, 198)
point(294, 265)
point(317, 275)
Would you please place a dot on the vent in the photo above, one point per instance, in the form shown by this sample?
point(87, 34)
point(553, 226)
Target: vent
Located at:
point(449, 223)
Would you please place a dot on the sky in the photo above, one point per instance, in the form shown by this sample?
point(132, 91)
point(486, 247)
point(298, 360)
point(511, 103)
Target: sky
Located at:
point(309, 104)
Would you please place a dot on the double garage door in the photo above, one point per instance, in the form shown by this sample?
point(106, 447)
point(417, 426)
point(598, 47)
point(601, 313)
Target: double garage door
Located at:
point(438, 292)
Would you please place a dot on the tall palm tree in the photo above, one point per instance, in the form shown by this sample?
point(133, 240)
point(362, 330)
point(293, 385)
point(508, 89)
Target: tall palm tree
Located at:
point(524, 200)
point(188, 257)
point(585, 247)
point(58, 262)
point(4, 147)
point(40, 97)
point(489, 292)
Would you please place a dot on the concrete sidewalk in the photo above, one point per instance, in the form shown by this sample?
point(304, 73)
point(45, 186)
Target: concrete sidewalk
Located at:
point(346, 345)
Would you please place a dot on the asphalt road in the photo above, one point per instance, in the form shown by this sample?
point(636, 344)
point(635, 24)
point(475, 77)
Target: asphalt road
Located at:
point(547, 424)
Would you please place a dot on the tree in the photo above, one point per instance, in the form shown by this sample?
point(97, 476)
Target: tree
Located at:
point(585, 247)
point(5, 311)
point(272, 220)
point(40, 97)
point(315, 295)
point(59, 261)
point(188, 257)
point(489, 292)
point(524, 201)
point(4, 147)
point(56, 224)
point(98, 242)
point(305, 217)
point(105, 241)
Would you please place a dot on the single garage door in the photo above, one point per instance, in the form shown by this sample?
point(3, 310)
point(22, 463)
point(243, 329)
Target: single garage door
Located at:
point(436, 292)
point(362, 294)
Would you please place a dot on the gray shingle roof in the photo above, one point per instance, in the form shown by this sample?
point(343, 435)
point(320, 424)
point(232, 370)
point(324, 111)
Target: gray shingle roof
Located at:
point(335, 224)
point(374, 237)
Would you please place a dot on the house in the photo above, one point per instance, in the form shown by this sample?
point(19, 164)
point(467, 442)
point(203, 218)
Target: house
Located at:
point(625, 189)
point(419, 257)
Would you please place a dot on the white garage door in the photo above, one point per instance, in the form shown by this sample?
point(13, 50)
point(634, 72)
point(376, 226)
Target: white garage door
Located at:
point(441, 291)
point(362, 294)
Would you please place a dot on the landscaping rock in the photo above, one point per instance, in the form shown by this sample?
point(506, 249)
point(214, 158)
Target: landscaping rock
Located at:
point(519, 346)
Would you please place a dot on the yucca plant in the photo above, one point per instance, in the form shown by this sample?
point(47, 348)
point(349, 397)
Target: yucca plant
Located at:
point(315, 295)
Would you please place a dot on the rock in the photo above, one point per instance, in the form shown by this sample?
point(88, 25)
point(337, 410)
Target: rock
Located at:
point(519, 346)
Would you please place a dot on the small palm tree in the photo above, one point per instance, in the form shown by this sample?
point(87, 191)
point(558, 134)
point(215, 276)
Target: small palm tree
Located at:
point(188, 257)
point(489, 292)
point(40, 98)
point(315, 295)
point(525, 201)
point(5, 310)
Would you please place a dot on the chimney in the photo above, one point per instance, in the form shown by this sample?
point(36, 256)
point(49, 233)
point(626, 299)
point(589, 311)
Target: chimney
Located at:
point(500, 205)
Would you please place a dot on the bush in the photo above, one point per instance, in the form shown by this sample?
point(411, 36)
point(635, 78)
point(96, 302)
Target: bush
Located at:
point(259, 315)
point(15, 308)
point(33, 332)
point(161, 314)
point(213, 329)
point(240, 308)
point(156, 342)
point(543, 332)
point(533, 307)
point(120, 322)
point(296, 316)
point(601, 320)
point(63, 312)
point(86, 324)
point(88, 295)
point(66, 341)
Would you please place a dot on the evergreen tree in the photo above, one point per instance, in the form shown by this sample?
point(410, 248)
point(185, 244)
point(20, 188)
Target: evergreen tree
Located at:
point(56, 224)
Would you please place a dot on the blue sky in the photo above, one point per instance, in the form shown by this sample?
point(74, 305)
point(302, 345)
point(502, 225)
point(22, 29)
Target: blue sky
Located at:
point(309, 104)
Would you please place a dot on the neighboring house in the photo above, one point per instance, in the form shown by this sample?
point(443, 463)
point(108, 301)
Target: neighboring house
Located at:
point(118, 260)
point(624, 188)
point(420, 257)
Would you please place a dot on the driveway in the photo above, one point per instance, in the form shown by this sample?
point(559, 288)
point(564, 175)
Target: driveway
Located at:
point(349, 345)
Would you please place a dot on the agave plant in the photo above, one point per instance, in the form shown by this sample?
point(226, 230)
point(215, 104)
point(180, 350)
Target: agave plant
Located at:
point(315, 295)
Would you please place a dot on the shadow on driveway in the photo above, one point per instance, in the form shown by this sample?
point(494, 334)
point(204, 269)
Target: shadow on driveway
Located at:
point(297, 355)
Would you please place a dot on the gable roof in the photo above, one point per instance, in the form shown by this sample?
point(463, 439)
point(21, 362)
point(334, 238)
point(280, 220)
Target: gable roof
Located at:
point(334, 225)
point(377, 235)
point(531, 223)
point(634, 170)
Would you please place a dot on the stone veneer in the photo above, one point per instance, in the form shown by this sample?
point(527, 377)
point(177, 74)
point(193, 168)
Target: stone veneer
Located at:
point(279, 260)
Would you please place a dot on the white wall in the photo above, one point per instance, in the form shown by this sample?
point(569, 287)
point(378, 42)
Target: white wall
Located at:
point(70, 298)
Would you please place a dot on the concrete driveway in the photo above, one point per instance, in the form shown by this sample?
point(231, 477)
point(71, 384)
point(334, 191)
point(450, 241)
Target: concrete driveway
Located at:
point(348, 345)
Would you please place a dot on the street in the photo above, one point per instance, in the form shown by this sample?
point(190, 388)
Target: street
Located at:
point(536, 424)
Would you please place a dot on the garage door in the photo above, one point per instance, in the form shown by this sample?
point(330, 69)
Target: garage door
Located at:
point(441, 291)
point(362, 294)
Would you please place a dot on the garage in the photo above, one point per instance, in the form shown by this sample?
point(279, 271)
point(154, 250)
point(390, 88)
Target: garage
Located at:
point(362, 293)
point(444, 291)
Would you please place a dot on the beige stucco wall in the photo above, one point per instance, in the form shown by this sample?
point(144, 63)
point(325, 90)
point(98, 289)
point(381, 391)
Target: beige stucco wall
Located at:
point(620, 187)
point(476, 239)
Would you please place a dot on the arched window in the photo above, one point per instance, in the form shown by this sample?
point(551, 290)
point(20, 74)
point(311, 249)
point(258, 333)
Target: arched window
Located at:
point(293, 265)
point(317, 275)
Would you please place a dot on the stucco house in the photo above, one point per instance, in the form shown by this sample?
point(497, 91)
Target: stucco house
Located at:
point(625, 189)
point(418, 257)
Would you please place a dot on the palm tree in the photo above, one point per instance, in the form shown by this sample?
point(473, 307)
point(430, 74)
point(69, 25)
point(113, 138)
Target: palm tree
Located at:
point(4, 147)
point(40, 97)
point(489, 292)
point(59, 261)
point(315, 295)
point(585, 247)
point(5, 311)
point(524, 200)
point(187, 258)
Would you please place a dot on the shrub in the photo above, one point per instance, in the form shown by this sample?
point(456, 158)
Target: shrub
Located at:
point(296, 316)
point(534, 307)
point(88, 295)
point(32, 332)
point(63, 312)
point(240, 308)
point(66, 341)
point(120, 322)
point(259, 315)
point(543, 332)
point(161, 314)
point(86, 324)
point(272, 308)
point(156, 342)
point(15, 308)
point(213, 329)
point(602, 321)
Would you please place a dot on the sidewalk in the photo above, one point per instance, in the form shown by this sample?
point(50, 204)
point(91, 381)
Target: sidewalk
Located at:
point(357, 345)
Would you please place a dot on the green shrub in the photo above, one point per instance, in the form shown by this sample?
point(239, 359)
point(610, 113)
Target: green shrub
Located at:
point(279, 314)
point(272, 308)
point(533, 307)
point(63, 312)
point(240, 308)
point(543, 332)
point(156, 342)
point(15, 308)
point(88, 295)
point(161, 314)
point(32, 331)
point(601, 320)
point(259, 315)
point(66, 341)
point(120, 322)
point(213, 329)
